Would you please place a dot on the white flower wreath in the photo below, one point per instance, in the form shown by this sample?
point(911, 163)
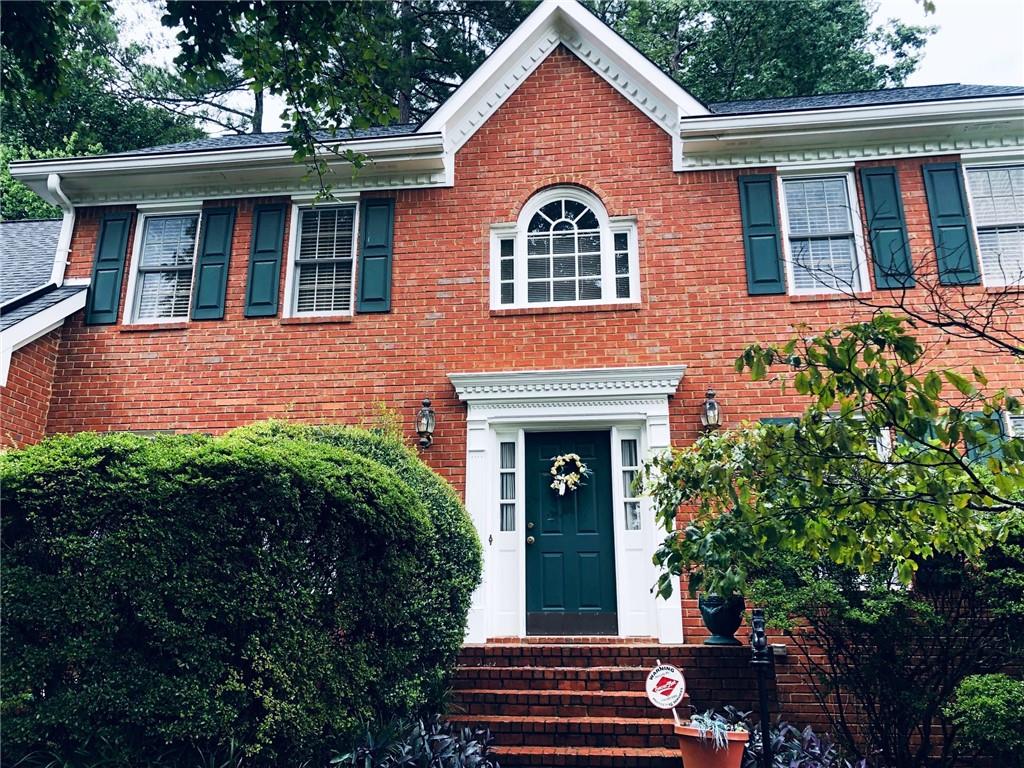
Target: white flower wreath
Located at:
point(568, 471)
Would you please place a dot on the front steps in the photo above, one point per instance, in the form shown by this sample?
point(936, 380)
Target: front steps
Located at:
point(575, 702)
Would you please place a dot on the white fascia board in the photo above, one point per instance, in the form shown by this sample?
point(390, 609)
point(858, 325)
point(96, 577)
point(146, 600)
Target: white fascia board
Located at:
point(380, 151)
point(31, 328)
point(596, 44)
point(880, 115)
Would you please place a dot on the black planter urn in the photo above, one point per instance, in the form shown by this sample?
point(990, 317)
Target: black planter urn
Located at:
point(722, 616)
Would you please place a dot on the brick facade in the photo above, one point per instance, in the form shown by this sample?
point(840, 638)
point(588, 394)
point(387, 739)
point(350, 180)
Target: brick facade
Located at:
point(25, 401)
point(563, 125)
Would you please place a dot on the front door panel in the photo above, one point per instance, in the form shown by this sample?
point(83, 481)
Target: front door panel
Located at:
point(570, 566)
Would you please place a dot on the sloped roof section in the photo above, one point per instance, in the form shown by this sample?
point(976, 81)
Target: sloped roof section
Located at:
point(865, 98)
point(27, 251)
point(47, 297)
point(270, 139)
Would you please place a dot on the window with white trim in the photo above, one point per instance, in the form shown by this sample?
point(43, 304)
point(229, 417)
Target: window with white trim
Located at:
point(324, 261)
point(1015, 425)
point(564, 250)
point(823, 248)
point(630, 472)
point(997, 203)
point(164, 265)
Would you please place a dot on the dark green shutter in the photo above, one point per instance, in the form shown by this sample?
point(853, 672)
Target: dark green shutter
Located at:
point(780, 421)
point(211, 273)
point(104, 298)
point(951, 224)
point(761, 238)
point(265, 261)
point(375, 249)
point(887, 228)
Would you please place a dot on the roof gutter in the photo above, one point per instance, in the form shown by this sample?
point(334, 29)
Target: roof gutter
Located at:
point(67, 228)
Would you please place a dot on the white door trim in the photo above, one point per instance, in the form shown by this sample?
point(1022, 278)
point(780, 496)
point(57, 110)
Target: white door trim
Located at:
point(632, 403)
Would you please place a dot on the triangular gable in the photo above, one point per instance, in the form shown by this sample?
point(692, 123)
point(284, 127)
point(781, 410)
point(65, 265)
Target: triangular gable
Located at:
point(565, 22)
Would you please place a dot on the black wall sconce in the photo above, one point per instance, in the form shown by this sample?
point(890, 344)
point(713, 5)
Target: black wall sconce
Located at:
point(710, 413)
point(425, 421)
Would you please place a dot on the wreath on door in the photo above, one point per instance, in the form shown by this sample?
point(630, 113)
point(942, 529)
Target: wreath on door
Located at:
point(568, 471)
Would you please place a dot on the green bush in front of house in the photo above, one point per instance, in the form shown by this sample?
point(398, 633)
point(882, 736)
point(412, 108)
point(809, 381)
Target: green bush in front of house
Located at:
point(179, 594)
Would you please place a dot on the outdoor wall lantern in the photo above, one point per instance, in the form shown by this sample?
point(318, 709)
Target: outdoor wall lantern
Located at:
point(710, 413)
point(425, 424)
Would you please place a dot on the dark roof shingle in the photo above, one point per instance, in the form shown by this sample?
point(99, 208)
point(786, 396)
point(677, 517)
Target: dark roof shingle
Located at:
point(27, 250)
point(43, 300)
point(274, 138)
point(866, 98)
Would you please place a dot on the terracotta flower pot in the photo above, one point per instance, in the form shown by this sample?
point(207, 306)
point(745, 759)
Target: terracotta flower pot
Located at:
point(701, 753)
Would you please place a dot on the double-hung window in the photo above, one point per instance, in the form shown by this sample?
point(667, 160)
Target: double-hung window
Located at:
point(997, 202)
point(823, 242)
point(166, 258)
point(325, 245)
point(564, 250)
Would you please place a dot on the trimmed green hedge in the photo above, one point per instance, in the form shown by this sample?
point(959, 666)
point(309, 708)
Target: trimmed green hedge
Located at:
point(262, 587)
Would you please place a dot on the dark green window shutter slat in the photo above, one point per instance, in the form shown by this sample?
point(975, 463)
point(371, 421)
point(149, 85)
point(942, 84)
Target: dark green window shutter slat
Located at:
point(883, 205)
point(104, 297)
point(761, 238)
point(951, 224)
point(211, 273)
point(375, 255)
point(265, 261)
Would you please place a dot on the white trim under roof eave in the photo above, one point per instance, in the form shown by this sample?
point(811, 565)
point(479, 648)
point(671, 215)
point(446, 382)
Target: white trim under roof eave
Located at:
point(31, 328)
point(773, 123)
point(380, 150)
point(596, 44)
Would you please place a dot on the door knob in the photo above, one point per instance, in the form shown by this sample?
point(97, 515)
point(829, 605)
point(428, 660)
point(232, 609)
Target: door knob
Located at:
point(530, 539)
point(529, 525)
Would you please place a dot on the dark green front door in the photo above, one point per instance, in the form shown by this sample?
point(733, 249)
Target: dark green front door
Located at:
point(570, 563)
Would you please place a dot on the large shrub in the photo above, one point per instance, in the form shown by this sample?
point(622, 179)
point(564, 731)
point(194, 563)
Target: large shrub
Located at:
point(988, 711)
point(257, 589)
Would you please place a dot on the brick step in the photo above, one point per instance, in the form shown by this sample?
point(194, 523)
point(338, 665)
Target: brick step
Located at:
point(574, 655)
point(529, 731)
point(570, 640)
point(543, 703)
point(587, 757)
point(551, 678)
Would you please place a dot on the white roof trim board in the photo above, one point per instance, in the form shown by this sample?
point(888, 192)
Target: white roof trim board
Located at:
point(567, 22)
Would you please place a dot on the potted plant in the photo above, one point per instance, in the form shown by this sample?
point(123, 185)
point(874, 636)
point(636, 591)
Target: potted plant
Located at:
point(723, 616)
point(709, 740)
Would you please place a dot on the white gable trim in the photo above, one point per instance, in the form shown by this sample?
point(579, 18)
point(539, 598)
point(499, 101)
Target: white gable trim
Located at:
point(553, 22)
point(31, 328)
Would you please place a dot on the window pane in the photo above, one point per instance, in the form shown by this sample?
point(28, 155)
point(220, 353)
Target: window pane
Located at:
point(169, 241)
point(536, 246)
point(508, 486)
point(621, 241)
point(622, 264)
point(590, 290)
point(632, 515)
point(817, 206)
point(508, 517)
point(587, 221)
point(629, 453)
point(326, 233)
point(163, 295)
point(1002, 254)
point(538, 268)
point(997, 195)
point(590, 243)
point(590, 264)
point(564, 244)
point(324, 287)
point(539, 292)
point(508, 269)
point(508, 248)
point(565, 266)
point(508, 293)
point(508, 455)
point(628, 478)
point(622, 287)
point(565, 290)
point(826, 264)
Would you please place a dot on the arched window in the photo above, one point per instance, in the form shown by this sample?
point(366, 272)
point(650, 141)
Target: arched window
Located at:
point(564, 250)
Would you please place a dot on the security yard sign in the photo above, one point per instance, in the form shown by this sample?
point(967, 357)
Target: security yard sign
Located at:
point(666, 686)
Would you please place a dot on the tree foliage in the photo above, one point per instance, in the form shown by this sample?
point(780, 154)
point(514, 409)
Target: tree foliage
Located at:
point(755, 50)
point(892, 461)
point(259, 592)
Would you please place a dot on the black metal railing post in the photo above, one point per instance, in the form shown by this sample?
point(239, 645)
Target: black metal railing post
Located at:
point(761, 658)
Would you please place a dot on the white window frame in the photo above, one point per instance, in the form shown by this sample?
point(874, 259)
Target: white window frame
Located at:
point(860, 252)
point(608, 227)
point(291, 286)
point(965, 170)
point(130, 313)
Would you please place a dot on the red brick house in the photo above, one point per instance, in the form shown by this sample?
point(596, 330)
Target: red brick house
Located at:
point(564, 257)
